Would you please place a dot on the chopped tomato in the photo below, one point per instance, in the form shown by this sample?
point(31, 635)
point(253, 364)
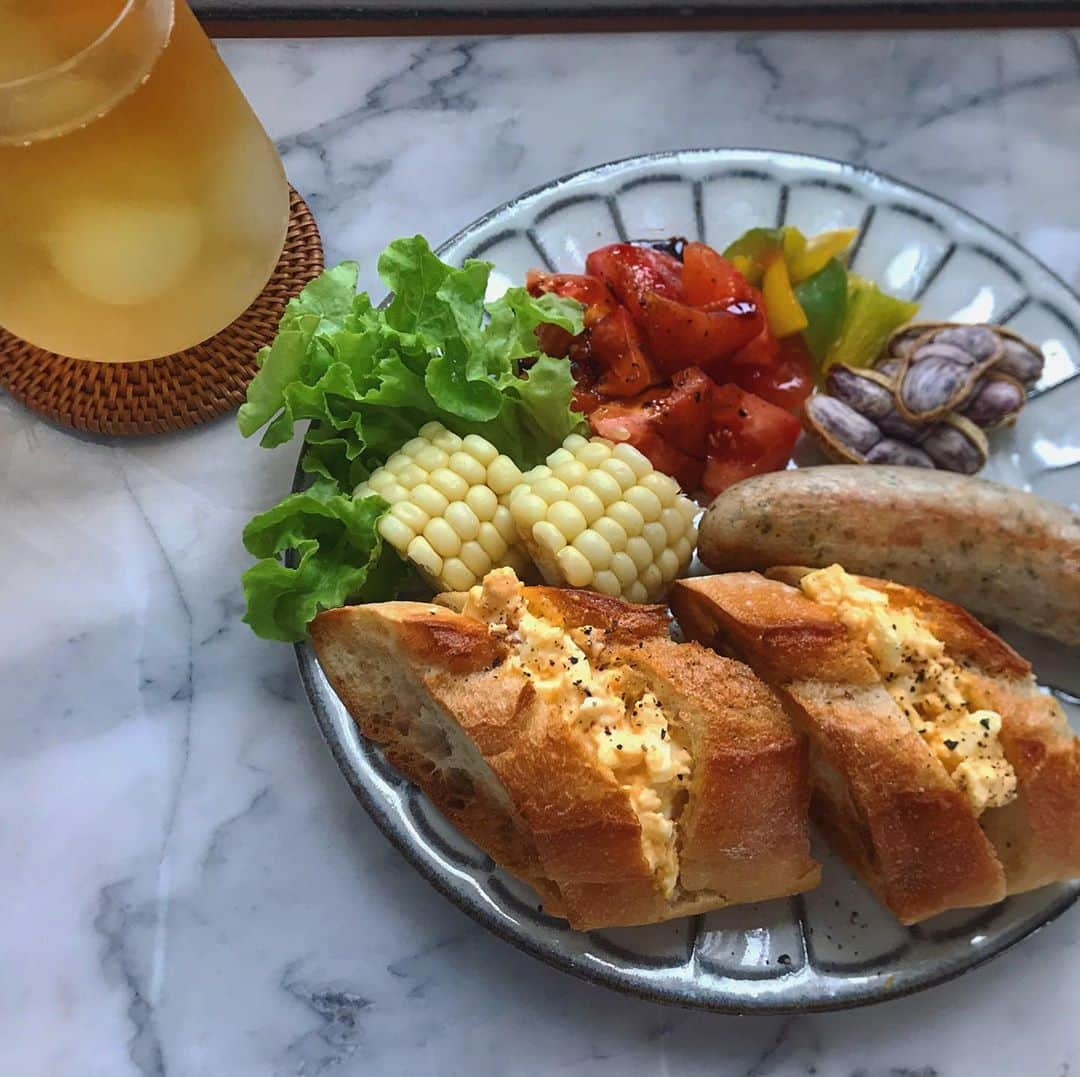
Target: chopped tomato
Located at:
point(762, 350)
point(787, 381)
point(635, 421)
point(709, 278)
point(680, 336)
point(586, 398)
point(633, 273)
point(748, 436)
point(618, 351)
point(684, 413)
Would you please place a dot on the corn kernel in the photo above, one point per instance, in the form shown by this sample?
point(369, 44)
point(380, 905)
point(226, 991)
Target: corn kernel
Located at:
point(443, 538)
point(492, 542)
point(483, 501)
point(399, 535)
point(412, 516)
point(551, 489)
point(627, 517)
point(568, 518)
point(640, 552)
point(393, 492)
point(645, 501)
point(611, 531)
point(664, 486)
point(416, 444)
point(429, 499)
point(560, 457)
point(668, 563)
point(475, 559)
point(504, 524)
point(528, 509)
point(457, 575)
point(574, 442)
point(607, 583)
point(548, 536)
point(453, 487)
point(684, 551)
point(624, 568)
point(594, 452)
point(652, 580)
point(380, 480)
point(463, 520)
point(469, 468)
point(621, 472)
point(595, 548)
point(480, 449)
point(573, 473)
point(503, 475)
point(674, 523)
point(637, 593)
point(447, 441)
point(412, 476)
point(604, 486)
point(575, 566)
point(424, 557)
point(655, 535)
point(430, 430)
point(592, 508)
point(637, 462)
point(431, 458)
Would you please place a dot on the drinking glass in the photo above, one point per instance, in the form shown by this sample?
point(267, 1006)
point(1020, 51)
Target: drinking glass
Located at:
point(142, 205)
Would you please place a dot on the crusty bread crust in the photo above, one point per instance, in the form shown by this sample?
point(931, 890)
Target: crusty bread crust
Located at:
point(432, 687)
point(879, 791)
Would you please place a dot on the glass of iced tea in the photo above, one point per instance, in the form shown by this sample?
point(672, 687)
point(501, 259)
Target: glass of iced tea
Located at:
point(142, 205)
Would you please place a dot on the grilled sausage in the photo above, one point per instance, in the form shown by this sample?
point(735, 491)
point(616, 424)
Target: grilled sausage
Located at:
point(998, 551)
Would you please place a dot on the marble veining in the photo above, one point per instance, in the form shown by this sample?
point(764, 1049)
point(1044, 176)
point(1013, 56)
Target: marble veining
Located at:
point(190, 887)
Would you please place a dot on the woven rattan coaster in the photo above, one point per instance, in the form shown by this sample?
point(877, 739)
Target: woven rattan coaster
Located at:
point(175, 391)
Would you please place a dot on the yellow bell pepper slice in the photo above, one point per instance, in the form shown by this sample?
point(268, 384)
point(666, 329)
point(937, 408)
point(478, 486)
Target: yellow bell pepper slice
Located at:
point(794, 245)
point(818, 251)
point(748, 268)
point(783, 311)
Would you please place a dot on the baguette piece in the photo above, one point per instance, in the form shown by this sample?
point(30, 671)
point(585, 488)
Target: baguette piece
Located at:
point(879, 792)
point(461, 708)
point(1037, 835)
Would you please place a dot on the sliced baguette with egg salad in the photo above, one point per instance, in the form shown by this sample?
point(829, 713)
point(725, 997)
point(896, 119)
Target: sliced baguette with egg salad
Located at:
point(1034, 821)
point(881, 793)
point(627, 778)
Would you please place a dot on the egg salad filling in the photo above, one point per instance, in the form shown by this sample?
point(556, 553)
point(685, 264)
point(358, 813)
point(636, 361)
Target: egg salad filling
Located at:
point(628, 733)
point(928, 686)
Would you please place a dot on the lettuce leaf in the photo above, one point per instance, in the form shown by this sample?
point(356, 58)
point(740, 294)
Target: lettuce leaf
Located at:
point(367, 379)
point(338, 556)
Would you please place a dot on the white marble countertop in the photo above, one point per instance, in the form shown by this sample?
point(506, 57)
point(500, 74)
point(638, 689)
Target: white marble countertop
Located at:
point(189, 886)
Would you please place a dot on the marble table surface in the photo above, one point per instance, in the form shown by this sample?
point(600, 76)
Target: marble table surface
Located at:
point(188, 885)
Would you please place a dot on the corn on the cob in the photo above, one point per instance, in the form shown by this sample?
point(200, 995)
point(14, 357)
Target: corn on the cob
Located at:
point(598, 515)
point(447, 513)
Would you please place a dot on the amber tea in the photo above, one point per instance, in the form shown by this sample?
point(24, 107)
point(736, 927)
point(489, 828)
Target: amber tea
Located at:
point(142, 206)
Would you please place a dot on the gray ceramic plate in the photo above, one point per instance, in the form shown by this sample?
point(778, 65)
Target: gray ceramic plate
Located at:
point(835, 947)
